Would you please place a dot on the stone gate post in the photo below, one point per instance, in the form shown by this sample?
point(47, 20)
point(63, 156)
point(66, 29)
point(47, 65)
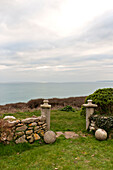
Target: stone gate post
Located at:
point(45, 111)
point(89, 111)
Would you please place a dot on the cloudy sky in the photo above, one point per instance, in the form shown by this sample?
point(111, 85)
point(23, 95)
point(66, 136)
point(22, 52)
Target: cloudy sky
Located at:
point(56, 40)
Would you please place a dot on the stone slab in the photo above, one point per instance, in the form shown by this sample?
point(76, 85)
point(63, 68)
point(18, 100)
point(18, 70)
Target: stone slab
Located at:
point(21, 128)
point(28, 132)
point(30, 120)
point(70, 135)
point(58, 134)
point(33, 124)
point(21, 140)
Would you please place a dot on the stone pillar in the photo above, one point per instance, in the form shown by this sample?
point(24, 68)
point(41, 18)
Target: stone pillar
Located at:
point(89, 111)
point(45, 111)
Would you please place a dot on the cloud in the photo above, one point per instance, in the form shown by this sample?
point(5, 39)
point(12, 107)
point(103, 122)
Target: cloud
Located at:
point(31, 49)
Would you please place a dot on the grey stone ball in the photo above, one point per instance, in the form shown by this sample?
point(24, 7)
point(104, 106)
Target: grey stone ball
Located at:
point(49, 137)
point(101, 134)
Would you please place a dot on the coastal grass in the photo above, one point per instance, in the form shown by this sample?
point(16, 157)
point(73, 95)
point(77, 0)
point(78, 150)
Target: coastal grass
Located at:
point(85, 152)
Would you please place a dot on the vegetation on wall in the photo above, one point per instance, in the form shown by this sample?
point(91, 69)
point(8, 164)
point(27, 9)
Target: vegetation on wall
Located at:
point(102, 122)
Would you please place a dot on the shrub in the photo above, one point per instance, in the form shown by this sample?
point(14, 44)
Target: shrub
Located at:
point(104, 99)
point(67, 109)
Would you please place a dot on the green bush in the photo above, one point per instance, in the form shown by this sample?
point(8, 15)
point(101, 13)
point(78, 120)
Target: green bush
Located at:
point(67, 109)
point(104, 99)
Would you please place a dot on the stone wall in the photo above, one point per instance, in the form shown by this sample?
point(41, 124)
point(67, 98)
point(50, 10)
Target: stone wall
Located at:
point(92, 124)
point(25, 130)
point(103, 122)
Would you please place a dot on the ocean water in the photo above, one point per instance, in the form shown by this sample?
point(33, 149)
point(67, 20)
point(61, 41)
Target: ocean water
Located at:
point(23, 92)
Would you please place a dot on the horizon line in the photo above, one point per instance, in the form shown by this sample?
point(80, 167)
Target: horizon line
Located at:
point(57, 82)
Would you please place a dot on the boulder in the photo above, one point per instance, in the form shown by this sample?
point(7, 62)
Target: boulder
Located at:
point(101, 134)
point(49, 137)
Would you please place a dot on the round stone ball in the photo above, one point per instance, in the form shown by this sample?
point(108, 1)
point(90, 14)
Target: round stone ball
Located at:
point(49, 137)
point(101, 134)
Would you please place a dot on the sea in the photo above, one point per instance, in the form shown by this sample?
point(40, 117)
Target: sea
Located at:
point(23, 92)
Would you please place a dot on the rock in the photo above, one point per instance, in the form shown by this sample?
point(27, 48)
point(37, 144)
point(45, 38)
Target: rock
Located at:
point(9, 117)
point(92, 128)
point(105, 117)
point(36, 128)
point(49, 137)
point(44, 125)
point(30, 138)
point(40, 123)
point(95, 115)
point(111, 136)
point(37, 131)
point(17, 134)
point(10, 137)
point(30, 128)
point(70, 135)
point(29, 120)
point(22, 128)
point(28, 132)
point(93, 124)
point(12, 123)
point(38, 119)
point(101, 134)
point(42, 132)
point(36, 136)
point(19, 124)
point(13, 129)
point(58, 134)
point(43, 118)
point(3, 136)
point(21, 139)
point(33, 124)
point(7, 142)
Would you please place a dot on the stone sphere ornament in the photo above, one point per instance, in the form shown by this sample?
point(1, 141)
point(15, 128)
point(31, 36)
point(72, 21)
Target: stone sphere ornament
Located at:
point(49, 137)
point(101, 134)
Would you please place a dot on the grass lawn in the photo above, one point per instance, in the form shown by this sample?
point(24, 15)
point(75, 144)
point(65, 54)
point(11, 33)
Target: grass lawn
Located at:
point(68, 154)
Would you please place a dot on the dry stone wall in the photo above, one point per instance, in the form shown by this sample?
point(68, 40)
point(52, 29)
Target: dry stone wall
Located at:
point(101, 122)
point(25, 130)
point(92, 124)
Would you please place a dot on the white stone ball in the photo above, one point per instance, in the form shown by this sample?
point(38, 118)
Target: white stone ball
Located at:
point(101, 134)
point(49, 137)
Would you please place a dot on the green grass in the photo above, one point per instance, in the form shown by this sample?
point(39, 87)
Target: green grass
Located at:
point(68, 154)
point(21, 115)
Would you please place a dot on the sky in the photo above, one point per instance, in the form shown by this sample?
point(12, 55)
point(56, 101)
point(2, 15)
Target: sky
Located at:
point(56, 40)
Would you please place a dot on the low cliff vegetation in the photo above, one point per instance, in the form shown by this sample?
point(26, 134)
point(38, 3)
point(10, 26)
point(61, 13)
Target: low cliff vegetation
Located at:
point(56, 103)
